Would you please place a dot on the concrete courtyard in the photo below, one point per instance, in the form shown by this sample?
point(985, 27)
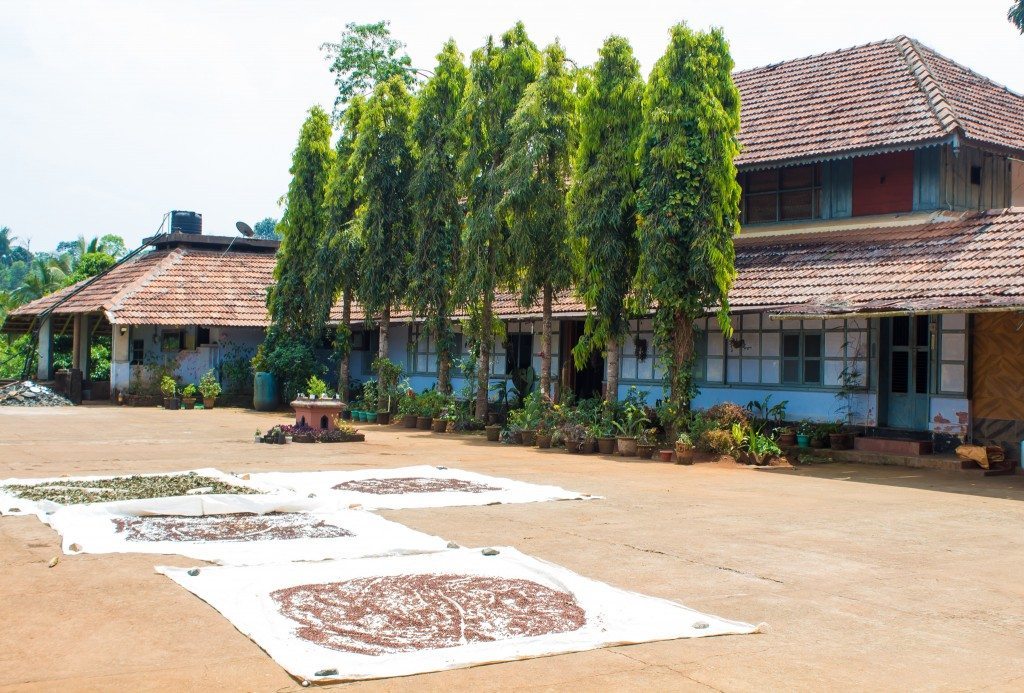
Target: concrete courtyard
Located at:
point(869, 578)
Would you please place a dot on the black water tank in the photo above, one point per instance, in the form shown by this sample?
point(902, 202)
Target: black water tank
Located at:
point(186, 222)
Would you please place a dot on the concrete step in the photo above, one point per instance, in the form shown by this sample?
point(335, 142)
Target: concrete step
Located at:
point(893, 446)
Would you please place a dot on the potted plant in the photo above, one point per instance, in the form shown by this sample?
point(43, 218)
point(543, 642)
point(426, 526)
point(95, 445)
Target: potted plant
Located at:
point(169, 388)
point(838, 438)
point(605, 437)
point(666, 455)
point(760, 449)
point(646, 442)
point(684, 449)
point(209, 388)
point(407, 408)
point(803, 434)
point(574, 435)
point(634, 421)
point(786, 436)
point(188, 396)
point(544, 435)
point(388, 373)
point(819, 436)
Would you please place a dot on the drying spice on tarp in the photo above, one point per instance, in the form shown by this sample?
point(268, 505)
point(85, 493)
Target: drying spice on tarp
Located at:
point(227, 527)
point(405, 613)
point(71, 491)
point(398, 485)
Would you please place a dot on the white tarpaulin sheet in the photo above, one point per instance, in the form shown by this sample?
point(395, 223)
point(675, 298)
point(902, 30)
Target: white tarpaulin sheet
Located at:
point(11, 504)
point(235, 529)
point(414, 487)
point(372, 618)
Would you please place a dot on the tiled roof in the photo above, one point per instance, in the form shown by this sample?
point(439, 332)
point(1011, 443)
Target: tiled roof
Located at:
point(506, 305)
point(894, 94)
point(183, 286)
point(973, 262)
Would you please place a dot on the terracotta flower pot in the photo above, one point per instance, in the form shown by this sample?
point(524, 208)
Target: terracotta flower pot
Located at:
point(438, 425)
point(543, 440)
point(787, 440)
point(606, 445)
point(528, 438)
point(627, 446)
point(424, 422)
point(665, 455)
point(589, 446)
point(684, 454)
point(493, 433)
point(208, 402)
point(409, 420)
point(189, 402)
point(384, 417)
point(840, 441)
point(645, 452)
point(517, 438)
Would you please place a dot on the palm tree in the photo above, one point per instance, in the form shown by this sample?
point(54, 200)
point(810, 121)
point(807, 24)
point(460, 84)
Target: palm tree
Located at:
point(1016, 15)
point(6, 245)
point(44, 277)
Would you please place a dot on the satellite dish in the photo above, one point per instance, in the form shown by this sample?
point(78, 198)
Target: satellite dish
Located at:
point(244, 229)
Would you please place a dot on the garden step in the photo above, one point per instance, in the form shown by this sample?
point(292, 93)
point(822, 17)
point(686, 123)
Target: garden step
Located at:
point(893, 446)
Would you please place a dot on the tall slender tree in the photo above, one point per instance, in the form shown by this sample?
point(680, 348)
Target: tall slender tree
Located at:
point(499, 74)
point(535, 177)
point(340, 255)
point(689, 198)
point(1016, 15)
point(602, 201)
point(384, 160)
point(440, 138)
point(365, 56)
point(294, 310)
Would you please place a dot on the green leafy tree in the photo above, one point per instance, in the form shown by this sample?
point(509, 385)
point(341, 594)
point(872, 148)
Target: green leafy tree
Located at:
point(6, 245)
point(384, 159)
point(91, 264)
point(499, 74)
point(341, 255)
point(108, 244)
point(602, 201)
point(365, 56)
point(298, 314)
point(266, 228)
point(1016, 15)
point(440, 139)
point(688, 201)
point(535, 176)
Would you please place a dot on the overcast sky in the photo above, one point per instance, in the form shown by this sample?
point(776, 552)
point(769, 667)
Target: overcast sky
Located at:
point(113, 113)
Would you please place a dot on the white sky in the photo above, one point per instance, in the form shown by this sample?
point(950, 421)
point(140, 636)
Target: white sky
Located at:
point(113, 113)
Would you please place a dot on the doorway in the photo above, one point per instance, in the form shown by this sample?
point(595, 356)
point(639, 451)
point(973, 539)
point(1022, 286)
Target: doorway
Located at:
point(907, 375)
point(588, 381)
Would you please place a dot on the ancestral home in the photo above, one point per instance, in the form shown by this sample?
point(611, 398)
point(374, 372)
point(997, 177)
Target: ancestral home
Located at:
point(882, 255)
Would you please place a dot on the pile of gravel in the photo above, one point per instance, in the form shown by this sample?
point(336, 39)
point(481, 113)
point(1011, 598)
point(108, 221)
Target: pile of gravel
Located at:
point(28, 394)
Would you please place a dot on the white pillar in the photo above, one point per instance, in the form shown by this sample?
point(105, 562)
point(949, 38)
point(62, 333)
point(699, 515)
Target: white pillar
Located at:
point(120, 357)
point(44, 370)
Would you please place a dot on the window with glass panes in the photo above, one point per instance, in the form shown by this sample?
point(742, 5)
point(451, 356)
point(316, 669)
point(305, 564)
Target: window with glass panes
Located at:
point(953, 354)
point(805, 353)
point(638, 355)
point(790, 193)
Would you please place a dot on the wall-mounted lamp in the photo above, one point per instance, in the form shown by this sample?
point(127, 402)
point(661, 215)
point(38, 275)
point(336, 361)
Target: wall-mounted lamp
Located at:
point(124, 330)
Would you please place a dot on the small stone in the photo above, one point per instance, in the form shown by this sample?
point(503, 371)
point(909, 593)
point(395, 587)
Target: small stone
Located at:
point(305, 683)
point(74, 547)
point(14, 510)
point(453, 545)
point(701, 625)
point(312, 495)
point(490, 552)
point(193, 571)
point(442, 467)
point(327, 672)
point(244, 477)
point(53, 561)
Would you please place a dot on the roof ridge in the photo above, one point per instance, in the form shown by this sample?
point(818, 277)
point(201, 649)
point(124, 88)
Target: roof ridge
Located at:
point(812, 56)
point(918, 68)
point(172, 258)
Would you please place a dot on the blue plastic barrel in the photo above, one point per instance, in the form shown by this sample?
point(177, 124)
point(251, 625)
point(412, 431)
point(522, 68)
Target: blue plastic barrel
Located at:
point(264, 391)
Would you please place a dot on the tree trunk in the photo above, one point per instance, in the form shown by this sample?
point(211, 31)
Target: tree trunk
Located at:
point(545, 344)
point(444, 362)
point(345, 365)
point(682, 353)
point(385, 330)
point(483, 366)
point(612, 388)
